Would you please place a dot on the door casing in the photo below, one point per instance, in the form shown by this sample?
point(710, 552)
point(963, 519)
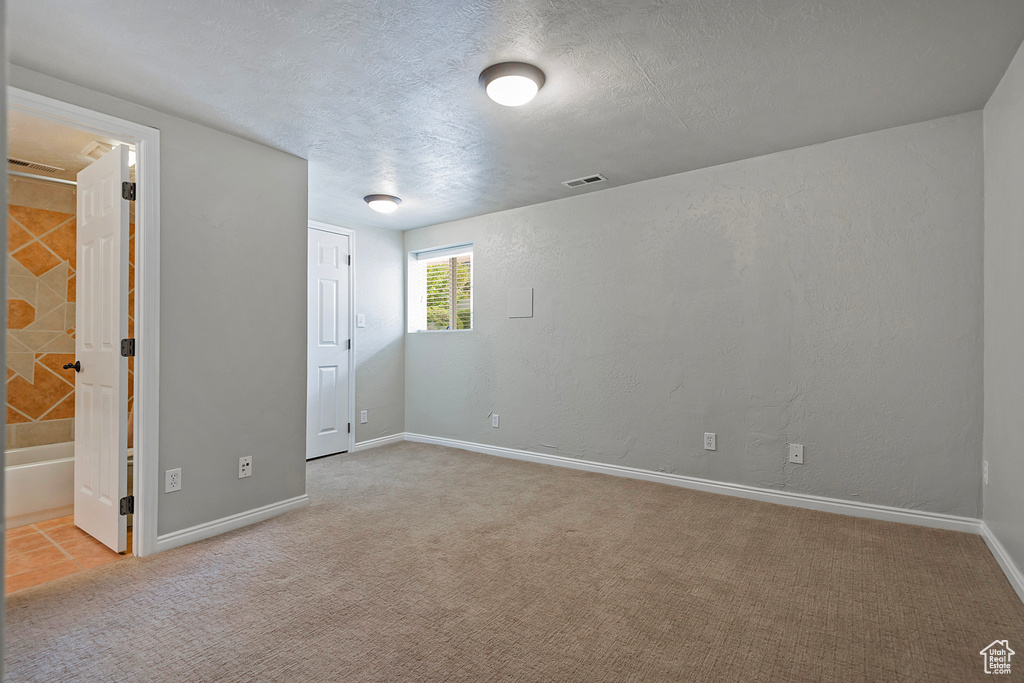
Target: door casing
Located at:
point(147, 292)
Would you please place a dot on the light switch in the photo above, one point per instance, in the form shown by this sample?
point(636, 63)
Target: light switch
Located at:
point(520, 303)
point(360, 320)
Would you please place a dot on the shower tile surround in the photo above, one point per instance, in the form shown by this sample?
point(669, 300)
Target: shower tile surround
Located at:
point(41, 290)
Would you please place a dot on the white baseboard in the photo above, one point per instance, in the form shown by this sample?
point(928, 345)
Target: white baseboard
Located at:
point(843, 507)
point(1010, 568)
point(382, 441)
point(225, 524)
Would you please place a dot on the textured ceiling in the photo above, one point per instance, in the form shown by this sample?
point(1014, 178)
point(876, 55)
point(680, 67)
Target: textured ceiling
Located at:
point(46, 142)
point(382, 96)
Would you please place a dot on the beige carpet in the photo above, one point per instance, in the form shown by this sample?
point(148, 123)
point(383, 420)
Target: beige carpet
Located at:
point(422, 563)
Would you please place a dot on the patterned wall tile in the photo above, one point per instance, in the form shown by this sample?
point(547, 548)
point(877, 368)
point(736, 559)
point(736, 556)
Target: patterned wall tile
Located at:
point(36, 258)
point(38, 397)
point(17, 236)
point(56, 363)
point(19, 313)
point(37, 221)
point(62, 410)
point(14, 417)
point(42, 289)
point(62, 242)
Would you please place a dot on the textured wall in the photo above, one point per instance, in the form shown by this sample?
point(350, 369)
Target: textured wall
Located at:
point(829, 296)
point(380, 346)
point(1004, 316)
point(232, 316)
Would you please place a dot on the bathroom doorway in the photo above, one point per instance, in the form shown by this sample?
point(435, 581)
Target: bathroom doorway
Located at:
point(74, 413)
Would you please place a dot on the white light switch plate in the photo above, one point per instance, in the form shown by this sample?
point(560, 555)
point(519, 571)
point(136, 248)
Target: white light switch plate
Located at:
point(360, 320)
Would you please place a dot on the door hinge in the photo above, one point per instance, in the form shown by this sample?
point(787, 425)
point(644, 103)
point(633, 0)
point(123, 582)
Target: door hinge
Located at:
point(128, 505)
point(349, 343)
point(128, 191)
point(349, 427)
point(127, 348)
point(350, 259)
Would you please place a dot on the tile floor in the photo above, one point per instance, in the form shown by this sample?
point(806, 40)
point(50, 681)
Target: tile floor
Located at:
point(44, 551)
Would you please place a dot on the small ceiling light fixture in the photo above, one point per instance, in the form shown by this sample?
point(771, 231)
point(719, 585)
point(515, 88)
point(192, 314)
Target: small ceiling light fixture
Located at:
point(512, 83)
point(382, 203)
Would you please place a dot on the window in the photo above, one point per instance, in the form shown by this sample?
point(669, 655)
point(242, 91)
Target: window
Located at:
point(441, 289)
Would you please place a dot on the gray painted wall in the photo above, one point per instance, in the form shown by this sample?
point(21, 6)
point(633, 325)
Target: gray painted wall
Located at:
point(232, 312)
point(829, 296)
point(1004, 316)
point(380, 346)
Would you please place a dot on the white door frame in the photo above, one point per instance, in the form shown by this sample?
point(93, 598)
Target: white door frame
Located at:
point(317, 225)
point(147, 292)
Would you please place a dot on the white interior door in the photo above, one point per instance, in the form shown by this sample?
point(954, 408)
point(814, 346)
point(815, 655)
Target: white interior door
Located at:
point(101, 321)
point(327, 344)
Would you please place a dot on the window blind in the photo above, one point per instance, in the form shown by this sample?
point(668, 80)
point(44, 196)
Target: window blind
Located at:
point(449, 290)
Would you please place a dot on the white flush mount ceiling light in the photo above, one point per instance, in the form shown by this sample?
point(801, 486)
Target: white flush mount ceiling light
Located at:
point(512, 83)
point(382, 203)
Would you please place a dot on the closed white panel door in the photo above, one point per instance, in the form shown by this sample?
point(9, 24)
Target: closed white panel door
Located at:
point(327, 353)
point(101, 321)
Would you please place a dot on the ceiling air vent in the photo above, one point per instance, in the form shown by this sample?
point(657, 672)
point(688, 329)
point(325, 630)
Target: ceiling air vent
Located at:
point(34, 165)
point(585, 180)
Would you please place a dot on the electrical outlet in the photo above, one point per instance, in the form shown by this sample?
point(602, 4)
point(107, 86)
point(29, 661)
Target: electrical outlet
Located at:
point(494, 420)
point(172, 480)
point(709, 441)
point(984, 472)
point(362, 417)
point(245, 467)
point(796, 453)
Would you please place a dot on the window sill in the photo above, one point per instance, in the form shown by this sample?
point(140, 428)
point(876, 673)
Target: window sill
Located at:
point(438, 331)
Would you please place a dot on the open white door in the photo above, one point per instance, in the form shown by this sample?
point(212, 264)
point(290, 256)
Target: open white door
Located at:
point(327, 344)
point(101, 385)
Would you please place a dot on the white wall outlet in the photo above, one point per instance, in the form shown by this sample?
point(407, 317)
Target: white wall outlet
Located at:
point(360, 320)
point(709, 441)
point(796, 453)
point(245, 467)
point(172, 480)
point(984, 472)
point(362, 417)
point(494, 420)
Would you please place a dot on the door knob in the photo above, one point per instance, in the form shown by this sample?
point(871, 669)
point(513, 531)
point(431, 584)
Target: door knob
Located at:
point(77, 366)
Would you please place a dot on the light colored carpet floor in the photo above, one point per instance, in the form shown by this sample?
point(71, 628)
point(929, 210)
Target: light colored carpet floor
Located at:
point(423, 563)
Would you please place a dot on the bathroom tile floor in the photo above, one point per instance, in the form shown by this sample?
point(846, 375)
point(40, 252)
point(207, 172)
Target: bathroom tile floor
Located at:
point(44, 551)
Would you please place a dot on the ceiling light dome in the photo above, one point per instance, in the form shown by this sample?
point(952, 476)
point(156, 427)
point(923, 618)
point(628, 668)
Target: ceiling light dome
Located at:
point(512, 83)
point(382, 203)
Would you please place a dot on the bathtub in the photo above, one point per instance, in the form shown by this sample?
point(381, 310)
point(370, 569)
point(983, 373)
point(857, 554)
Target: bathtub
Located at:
point(40, 483)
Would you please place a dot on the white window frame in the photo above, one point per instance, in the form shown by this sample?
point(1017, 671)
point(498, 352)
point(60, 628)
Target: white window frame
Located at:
point(416, 308)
